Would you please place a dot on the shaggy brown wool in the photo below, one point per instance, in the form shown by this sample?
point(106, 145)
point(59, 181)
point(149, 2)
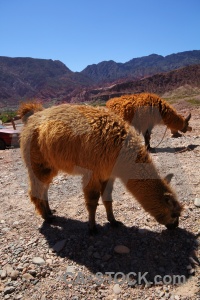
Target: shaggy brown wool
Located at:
point(145, 110)
point(100, 146)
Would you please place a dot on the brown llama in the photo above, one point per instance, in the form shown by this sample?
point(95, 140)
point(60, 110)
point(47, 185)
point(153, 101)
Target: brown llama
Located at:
point(144, 111)
point(100, 146)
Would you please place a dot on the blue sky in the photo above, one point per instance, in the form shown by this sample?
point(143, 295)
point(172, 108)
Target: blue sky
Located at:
point(85, 32)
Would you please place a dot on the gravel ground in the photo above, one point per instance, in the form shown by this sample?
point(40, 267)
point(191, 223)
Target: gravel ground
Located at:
point(140, 260)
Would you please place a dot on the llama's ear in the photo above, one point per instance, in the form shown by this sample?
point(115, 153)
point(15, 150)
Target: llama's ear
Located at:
point(168, 177)
point(188, 117)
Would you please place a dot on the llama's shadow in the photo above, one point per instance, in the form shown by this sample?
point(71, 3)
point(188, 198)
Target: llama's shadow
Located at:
point(190, 147)
point(164, 253)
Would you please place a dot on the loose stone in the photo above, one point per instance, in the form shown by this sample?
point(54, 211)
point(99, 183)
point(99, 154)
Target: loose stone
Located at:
point(3, 274)
point(14, 274)
point(9, 290)
point(59, 245)
point(117, 289)
point(197, 202)
point(38, 260)
point(121, 249)
point(28, 276)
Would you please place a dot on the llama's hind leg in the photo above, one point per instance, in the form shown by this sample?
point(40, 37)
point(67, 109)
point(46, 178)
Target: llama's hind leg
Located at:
point(39, 185)
point(38, 196)
point(106, 194)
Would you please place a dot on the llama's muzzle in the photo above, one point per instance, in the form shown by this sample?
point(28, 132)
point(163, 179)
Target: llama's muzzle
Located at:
point(189, 128)
point(173, 225)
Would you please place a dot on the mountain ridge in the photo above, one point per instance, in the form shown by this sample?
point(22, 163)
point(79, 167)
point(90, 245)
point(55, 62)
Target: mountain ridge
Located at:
point(140, 67)
point(161, 83)
point(25, 78)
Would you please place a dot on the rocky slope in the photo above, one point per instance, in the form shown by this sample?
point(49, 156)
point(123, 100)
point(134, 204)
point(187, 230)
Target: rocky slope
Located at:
point(187, 78)
point(136, 68)
point(26, 78)
point(52, 82)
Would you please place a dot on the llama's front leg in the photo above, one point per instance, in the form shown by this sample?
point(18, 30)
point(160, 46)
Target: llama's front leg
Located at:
point(175, 133)
point(91, 200)
point(147, 137)
point(106, 194)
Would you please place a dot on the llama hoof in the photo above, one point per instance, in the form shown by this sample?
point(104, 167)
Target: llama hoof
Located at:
point(148, 147)
point(93, 231)
point(173, 225)
point(152, 150)
point(115, 223)
point(176, 135)
point(49, 218)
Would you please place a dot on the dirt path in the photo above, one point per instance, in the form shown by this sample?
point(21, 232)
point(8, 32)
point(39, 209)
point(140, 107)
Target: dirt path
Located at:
point(66, 246)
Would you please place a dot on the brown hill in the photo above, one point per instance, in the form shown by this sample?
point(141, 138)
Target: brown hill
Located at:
point(22, 79)
point(137, 68)
point(185, 78)
point(26, 78)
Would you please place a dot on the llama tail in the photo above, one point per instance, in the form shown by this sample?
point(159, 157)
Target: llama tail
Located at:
point(27, 109)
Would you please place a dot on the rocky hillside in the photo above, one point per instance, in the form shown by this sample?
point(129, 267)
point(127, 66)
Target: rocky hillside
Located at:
point(187, 78)
point(52, 82)
point(26, 78)
point(137, 68)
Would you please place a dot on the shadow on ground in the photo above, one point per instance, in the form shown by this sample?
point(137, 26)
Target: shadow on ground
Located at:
point(158, 253)
point(174, 150)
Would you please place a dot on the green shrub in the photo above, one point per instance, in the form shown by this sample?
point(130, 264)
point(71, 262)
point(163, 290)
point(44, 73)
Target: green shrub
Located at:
point(7, 116)
point(194, 101)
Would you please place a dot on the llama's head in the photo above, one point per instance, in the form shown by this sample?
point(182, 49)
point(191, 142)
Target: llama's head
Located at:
point(170, 210)
point(186, 124)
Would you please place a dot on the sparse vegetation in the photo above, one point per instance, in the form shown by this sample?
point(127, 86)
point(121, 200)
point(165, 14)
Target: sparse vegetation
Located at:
point(194, 101)
point(7, 116)
point(97, 103)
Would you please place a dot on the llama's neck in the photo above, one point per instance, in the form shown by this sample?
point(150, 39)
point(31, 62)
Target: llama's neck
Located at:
point(148, 192)
point(141, 178)
point(171, 119)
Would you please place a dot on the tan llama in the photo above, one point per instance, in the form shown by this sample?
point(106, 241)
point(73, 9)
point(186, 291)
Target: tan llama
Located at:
point(100, 146)
point(145, 110)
